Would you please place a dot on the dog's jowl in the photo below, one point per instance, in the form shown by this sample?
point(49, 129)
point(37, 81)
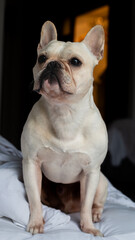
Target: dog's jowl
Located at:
point(64, 137)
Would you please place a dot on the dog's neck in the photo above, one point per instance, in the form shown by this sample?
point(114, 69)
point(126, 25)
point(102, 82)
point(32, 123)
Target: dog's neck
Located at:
point(67, 119)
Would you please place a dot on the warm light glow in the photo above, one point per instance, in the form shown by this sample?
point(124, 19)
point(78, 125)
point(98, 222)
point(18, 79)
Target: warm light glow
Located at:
point(67, 27)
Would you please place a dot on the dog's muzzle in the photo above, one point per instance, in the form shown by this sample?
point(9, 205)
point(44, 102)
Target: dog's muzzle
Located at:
point(50, 73)
point(57, 74)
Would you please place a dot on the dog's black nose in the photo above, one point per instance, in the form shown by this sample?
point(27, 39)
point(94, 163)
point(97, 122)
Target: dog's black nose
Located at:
point(54, 65)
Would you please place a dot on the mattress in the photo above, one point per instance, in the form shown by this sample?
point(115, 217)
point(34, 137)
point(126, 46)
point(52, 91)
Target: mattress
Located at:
point(117, 222)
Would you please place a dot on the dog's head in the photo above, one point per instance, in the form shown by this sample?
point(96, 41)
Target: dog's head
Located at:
point(64, 70)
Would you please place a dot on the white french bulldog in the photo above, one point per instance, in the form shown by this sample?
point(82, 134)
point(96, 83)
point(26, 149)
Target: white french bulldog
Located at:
point(64, 136)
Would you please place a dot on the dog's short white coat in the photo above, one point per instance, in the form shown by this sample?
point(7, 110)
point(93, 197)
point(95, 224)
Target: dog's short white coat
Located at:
point(64, 135)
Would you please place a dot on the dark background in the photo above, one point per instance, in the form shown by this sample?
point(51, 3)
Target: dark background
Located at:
point(22, 23)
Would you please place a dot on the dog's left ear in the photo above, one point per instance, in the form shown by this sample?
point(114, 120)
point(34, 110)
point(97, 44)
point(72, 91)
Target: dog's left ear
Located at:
point(48, 33)
point(94, 40)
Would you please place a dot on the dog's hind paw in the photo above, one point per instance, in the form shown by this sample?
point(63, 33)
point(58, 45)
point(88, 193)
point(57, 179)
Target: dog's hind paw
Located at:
point(96, 214)
point(93, 231)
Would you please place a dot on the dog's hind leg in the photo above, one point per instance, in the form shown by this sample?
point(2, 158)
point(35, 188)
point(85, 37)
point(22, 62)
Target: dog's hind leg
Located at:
point(99, 199)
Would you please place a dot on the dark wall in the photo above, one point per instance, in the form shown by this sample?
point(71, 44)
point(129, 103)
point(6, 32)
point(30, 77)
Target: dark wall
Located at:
point(23, 21)
point(118, 80)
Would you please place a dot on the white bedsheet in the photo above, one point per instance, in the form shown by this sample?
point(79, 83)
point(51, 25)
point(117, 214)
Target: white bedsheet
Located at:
point(117, 223)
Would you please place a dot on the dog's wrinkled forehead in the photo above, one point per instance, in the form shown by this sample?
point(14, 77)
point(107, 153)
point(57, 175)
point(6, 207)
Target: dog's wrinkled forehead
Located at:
point(66, 50)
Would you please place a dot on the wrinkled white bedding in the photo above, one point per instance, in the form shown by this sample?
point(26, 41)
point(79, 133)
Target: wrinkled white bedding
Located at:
point(118, 219)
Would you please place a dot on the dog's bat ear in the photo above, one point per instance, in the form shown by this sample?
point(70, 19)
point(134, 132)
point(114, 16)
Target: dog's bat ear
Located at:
point(48, 33)
point(95, 40)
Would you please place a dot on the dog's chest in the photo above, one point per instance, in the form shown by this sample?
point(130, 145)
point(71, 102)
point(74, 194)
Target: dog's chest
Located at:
point(63, 167)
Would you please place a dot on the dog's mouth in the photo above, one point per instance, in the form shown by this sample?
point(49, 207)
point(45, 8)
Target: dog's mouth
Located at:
point(54, 80)
point(49, 81)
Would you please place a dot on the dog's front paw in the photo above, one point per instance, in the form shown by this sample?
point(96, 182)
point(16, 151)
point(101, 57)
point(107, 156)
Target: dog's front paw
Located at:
point(36, 226)
point(91, 230)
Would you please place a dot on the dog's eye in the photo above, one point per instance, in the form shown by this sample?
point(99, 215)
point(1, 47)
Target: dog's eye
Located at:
point(75, 62)
point(41, 59)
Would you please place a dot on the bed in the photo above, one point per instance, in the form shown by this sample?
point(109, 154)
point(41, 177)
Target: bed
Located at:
point(117, 223)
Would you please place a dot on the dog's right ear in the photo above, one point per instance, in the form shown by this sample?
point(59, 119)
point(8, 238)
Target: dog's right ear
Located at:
point(48, 33)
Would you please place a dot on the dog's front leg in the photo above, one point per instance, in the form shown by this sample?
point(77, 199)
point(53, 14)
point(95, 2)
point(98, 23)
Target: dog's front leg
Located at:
point(89, 185)
point(32, 179)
